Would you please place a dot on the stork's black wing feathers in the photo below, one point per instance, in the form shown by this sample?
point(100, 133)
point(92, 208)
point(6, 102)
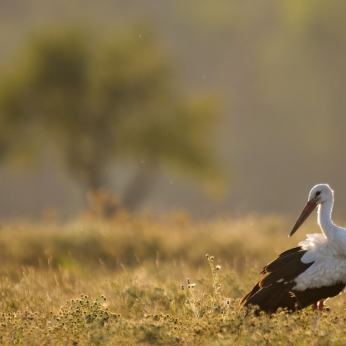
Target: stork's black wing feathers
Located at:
point(270, 267)
point(284, 261)
point(287, 252)
point(271, 298)
point(286, 268)
point(276, 300)
point(274, 290)
point(312, 295)
point(251, 293)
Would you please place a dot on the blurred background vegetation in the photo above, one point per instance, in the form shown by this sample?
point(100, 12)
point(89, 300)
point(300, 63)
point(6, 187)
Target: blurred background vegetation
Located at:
point(99, 102)
point(224, 108)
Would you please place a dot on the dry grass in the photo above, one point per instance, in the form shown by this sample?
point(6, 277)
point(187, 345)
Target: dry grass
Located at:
point(126, 241)
point(96, 282)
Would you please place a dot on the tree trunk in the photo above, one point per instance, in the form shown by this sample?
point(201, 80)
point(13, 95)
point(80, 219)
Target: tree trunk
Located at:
point(94, 179)
point(140, 185)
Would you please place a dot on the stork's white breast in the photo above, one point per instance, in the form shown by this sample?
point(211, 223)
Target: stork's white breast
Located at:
point(329, 265)
point(327, 273)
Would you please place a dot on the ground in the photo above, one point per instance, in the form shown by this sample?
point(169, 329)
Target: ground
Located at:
point(119, 282)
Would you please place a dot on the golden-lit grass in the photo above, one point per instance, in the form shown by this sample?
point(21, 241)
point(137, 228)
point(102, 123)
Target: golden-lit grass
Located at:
point(118, 282)
point(127, 241)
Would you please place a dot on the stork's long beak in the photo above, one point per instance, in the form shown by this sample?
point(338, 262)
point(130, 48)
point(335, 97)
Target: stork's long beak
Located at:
point(310, 206)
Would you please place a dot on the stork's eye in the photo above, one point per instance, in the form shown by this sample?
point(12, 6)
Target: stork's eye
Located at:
point(318, 193)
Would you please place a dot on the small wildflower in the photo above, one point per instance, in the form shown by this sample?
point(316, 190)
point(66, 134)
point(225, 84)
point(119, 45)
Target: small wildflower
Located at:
point(193, 285)
point(188, 280)
point(218, 267)
point(227, 301)
point(212, 258)
point(182, 287)
point(207, 255)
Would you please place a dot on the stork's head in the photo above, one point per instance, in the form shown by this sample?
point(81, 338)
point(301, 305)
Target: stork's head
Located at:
point(318, 195)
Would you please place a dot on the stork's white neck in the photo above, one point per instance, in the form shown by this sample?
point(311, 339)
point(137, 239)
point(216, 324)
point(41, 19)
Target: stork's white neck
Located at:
point(324, 218)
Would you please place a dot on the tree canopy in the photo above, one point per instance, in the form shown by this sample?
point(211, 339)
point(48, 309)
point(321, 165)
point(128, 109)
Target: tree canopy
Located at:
point(104, 100)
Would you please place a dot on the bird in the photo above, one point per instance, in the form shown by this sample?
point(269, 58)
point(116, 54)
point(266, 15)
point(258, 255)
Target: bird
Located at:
point(310, 273)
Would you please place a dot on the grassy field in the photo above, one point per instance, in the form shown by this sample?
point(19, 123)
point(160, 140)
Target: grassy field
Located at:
point(118, 282)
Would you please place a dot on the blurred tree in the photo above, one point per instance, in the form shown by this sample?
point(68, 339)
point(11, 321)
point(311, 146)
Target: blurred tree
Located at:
point(105, 101)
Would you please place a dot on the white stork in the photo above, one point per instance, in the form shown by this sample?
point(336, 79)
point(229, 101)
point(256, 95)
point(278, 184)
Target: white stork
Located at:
point(310, 273)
